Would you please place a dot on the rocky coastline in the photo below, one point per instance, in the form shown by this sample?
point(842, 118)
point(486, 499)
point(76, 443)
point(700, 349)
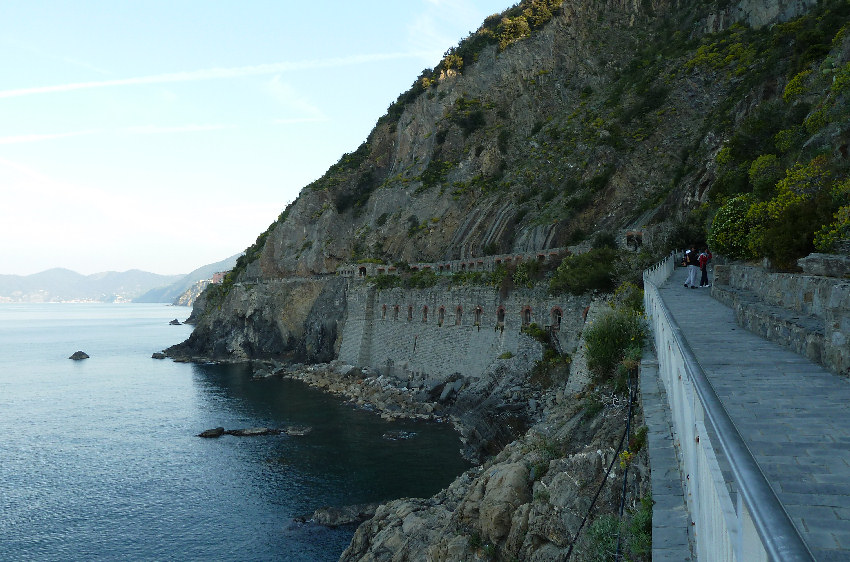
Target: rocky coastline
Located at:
point(541, 453)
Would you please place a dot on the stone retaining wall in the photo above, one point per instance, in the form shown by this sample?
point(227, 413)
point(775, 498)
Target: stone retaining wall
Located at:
point(441, 331)
point(807, 313)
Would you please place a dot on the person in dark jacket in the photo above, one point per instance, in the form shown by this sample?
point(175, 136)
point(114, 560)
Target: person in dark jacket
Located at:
point(704, 258)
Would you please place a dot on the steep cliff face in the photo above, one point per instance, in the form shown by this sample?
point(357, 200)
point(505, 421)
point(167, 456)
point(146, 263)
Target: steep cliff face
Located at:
point(293, 319)
point(597, 119)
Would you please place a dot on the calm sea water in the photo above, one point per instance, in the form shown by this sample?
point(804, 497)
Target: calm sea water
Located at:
point(99, 459)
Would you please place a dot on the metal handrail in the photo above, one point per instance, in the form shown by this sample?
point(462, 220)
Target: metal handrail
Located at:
point(779, 536)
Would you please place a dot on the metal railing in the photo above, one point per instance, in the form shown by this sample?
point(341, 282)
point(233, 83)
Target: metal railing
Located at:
point(755, 526)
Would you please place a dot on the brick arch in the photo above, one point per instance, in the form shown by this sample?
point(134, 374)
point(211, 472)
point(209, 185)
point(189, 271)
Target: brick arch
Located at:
point(500, 315)
point(425, 313)
point(526, 315)
point(458, 315)
point(556, 316)
point(441, 315)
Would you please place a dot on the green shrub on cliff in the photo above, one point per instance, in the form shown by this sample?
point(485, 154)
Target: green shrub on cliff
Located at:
point(592, 271)
point(610, 339)
point(730, 229)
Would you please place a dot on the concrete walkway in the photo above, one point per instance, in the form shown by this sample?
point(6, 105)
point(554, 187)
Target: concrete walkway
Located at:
point(793, 415)
point(671, 523)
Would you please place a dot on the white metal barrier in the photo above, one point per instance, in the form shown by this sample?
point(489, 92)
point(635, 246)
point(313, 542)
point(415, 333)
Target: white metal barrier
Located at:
point(749, 524)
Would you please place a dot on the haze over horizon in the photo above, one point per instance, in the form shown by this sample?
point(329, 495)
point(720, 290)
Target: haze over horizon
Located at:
point(167, 136)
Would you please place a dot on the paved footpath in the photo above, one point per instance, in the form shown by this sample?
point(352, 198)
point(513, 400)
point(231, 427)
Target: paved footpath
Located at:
point(670, 521)
point(793, 415)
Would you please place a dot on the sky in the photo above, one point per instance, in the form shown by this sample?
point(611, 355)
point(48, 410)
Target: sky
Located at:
point(164, 135)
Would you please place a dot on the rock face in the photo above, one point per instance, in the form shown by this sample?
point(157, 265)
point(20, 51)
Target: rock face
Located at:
point(79, 356)
point(290, 318)
point(527, 503)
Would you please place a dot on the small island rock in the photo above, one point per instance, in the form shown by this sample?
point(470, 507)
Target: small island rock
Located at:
point(175, 322)
point(216, 432)
point(298, 430)
point(79, 356)
point(253, 431)
point(158, 355)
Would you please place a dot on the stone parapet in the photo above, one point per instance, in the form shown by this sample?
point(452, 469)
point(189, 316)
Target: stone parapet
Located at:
point(482, 263)
point(829, 265)
point(809, 314)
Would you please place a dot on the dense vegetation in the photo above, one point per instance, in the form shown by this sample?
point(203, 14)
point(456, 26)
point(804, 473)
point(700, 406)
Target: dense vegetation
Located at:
point(783, 188)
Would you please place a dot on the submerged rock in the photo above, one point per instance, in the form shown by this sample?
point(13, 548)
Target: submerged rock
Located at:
point(298, 430)
point(399, 435)
point(79, 356)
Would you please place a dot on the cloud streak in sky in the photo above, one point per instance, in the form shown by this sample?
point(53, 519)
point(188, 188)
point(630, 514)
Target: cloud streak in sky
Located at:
point(17, 139)
point(155, 129)
point(212, 74)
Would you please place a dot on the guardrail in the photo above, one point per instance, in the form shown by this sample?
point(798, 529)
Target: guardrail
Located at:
point(750, 525)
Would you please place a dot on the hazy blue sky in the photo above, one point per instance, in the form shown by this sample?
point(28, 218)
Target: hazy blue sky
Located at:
point(165, 135)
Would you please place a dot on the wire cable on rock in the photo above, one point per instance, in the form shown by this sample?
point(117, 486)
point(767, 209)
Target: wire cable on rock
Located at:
point(607, 473)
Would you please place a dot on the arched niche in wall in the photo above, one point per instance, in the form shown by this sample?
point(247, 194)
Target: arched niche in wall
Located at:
point(556, 316)
point(526, 315)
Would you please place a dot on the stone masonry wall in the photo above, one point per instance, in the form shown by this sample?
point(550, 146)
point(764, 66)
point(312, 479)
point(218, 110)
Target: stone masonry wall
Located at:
point(818, 322)
point(442, 331)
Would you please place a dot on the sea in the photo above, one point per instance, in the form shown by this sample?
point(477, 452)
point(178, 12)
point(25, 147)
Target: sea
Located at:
point(100, 459)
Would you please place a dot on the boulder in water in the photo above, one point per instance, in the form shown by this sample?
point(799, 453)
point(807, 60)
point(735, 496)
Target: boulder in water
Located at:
point(79, 356)
point(298, 430)
point(216, 432)
point(175, 322)
point(158, 355)
point(253, 431)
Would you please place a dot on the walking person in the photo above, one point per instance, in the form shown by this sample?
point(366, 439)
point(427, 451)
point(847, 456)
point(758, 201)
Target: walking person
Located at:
point(692, 262)
point(704, 258)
